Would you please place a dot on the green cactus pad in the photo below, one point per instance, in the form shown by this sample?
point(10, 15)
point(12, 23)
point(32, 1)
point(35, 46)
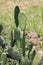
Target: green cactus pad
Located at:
point(17, 34)
point(14, 54)
point(22, 21)
point(16, 13)
point(37, 59)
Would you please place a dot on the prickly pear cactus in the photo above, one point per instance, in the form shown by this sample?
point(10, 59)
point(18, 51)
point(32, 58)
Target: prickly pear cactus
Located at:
point(16, 13)
point(12, 43)
point(23, 43)
point(17, 34)
point(14, 54)
point(31, 56)
point(37, 59)
point(22, 21)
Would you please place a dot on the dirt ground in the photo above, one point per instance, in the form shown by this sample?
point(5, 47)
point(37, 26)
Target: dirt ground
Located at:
point(24, 4)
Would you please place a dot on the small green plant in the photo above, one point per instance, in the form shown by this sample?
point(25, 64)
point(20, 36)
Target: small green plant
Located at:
point(17, 56)
point(14, 54)
point(16, 13)
point(22, 25)
point(3, 58)
point(20, 20)
point(37, 59)
point(12, 40)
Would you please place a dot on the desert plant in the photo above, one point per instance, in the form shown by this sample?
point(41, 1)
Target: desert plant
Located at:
point(22, 25)
point(37, 59)
point(12, 44)
point(3, 58)
point(23, 43)
point(17, 34)
point(13, 41)
point(16, 13)
point(17, 37)
point(20, 20)
point(14, 54)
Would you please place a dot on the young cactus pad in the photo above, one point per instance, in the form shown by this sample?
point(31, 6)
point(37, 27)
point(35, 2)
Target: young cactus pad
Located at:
point(16, 13)
point(17, 34)
point(22, 21)
point(12, 40)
